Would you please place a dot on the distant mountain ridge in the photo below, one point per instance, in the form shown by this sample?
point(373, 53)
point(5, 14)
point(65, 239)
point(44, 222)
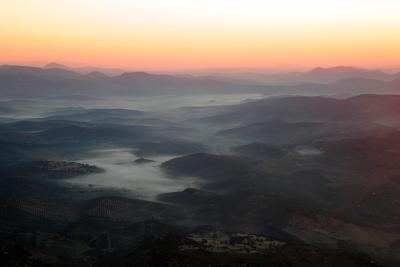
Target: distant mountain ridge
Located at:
point(57, 80)
point(55, 65)
point(85, 70)
point(33, 81)
point(316, 75)
point(343, 72)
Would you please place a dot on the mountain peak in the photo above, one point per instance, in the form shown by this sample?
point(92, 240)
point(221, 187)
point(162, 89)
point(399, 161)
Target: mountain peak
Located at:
point(343, 72)
point(96, 74)
point(55, 65)
point(336, 69)
point(136, 73)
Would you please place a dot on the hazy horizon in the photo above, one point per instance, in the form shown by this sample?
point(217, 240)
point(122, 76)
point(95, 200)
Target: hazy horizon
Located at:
point(227, 70)
point(173, 35)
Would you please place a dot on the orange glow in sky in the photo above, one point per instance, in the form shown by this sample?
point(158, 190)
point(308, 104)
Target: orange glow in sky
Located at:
point(179, 34)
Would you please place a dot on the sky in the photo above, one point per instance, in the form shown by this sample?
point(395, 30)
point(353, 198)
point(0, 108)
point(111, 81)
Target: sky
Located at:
point(198, 34)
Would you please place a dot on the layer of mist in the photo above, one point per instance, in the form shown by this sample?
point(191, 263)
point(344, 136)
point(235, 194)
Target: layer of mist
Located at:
point(143, 180)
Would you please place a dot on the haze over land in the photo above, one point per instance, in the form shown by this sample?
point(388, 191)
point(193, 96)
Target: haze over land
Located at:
point(199, 133)
point(225, 167)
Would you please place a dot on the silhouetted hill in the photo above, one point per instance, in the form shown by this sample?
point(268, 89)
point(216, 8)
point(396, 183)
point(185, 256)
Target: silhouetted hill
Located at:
point(106, 71)
point(55, 81)
point(96, 75)
point(279, 132)
point(31, 81)
point(49, 73)
point(55, 65)
point(344, 72)
point(375, 108)
point(356, 83)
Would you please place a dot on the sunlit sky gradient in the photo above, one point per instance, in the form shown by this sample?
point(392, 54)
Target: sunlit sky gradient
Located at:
point(179, 34)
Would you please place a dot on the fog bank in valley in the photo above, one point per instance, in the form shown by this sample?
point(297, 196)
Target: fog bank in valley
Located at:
point(144, 180)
